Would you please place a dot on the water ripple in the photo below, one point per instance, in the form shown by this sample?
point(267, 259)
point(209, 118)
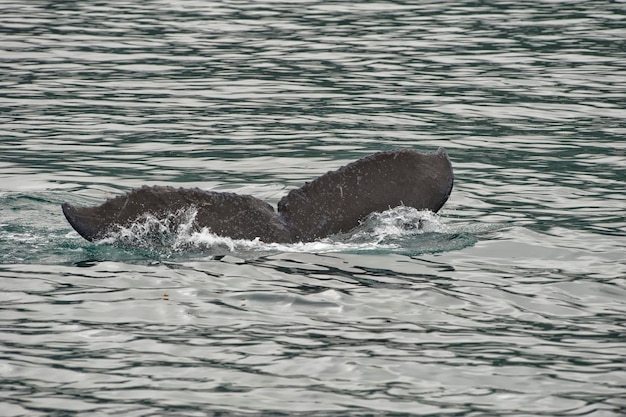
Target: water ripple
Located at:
point(515, 309)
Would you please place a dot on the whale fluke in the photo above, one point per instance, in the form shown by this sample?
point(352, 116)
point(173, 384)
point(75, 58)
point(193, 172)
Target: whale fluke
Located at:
point(225, 214)
point(335, 202)
point(338, 200)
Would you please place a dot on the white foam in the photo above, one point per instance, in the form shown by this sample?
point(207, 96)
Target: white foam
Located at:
point(396, 223)
point(379, 231)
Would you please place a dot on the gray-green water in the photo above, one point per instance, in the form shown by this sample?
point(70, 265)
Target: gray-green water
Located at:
point(511, 303)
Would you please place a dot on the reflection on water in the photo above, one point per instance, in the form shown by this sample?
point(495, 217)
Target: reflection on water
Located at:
point(510, 303)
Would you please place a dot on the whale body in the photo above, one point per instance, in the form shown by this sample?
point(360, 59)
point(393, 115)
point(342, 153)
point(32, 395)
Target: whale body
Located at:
point(332, 203)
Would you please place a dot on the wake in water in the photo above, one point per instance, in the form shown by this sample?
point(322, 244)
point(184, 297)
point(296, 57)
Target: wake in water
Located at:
point(30, 231)
point(398, 230)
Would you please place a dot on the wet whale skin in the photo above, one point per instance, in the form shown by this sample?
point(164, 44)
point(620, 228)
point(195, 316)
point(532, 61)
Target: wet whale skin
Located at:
point(332, 203)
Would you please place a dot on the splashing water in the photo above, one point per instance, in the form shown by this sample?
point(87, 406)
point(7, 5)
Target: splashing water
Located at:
point(33, 223)
point(398, 230)
point(149, 231)
point(396, 223)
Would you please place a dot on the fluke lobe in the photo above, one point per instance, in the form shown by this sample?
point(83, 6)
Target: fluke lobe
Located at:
point(335, 202)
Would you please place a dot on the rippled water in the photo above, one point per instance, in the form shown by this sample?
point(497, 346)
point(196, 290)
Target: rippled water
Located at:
point(510, 303)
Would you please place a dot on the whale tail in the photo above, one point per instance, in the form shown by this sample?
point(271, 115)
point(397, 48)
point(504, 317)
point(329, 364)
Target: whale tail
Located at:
point(84, 221)
point(339, 200)
point(226, 214)
point(335, 202)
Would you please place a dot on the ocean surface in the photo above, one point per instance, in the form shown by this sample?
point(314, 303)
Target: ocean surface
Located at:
point(511, 301)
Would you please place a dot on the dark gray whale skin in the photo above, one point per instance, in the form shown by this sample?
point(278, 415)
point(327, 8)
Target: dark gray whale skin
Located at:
point(335, 202)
